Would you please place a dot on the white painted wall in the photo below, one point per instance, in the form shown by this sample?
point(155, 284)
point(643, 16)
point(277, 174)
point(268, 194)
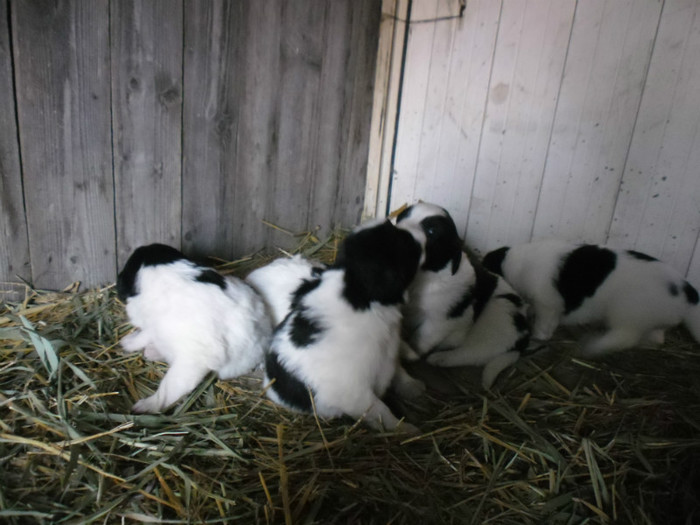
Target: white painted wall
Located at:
point(577, 119)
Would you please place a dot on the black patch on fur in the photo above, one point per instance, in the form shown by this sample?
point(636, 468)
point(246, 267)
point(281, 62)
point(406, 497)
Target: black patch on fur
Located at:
point(379, 263)
point(212, 277)
point(404, 214)
point(442, 245)
point(673, 289)
point(513, 298)
point(641, 256)
point(150, 255)
point(691, 294)
point(582, 271)
point(461, 306)
point(521, 323)
point(477, 295)
point(306, 287)
point(303, 330)
point(483, 288)
point(493, 261)
point(288, 387)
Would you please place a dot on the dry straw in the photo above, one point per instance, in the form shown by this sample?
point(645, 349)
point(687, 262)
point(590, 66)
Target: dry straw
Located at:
point(559, 440)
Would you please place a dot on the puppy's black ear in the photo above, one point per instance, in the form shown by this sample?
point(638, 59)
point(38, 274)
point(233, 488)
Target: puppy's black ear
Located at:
point(456, 255)
point(493, 261)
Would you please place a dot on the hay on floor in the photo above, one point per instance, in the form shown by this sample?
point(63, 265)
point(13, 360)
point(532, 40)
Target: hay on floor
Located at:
point(559, 440)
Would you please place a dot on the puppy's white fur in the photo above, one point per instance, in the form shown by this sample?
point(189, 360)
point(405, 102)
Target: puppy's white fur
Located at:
point(636, 302)
point(492, 340)
point(353, 359)
point(195, 327)
point(353, 363)
point(278, 280)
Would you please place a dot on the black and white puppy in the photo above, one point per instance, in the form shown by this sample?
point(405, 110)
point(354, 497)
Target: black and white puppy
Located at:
point(338, 345)
point(277, 282)
point(633, 295)
point(458, 313)
point(192, 318)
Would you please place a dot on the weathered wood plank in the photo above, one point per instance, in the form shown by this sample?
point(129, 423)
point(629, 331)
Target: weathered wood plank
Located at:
point(213, 84)
point(352, 113)
point(608, 57)
point(61, 57)
point(14, 246)
point(658, 209)
point(385, 104)
point(528, 65)
point(276, 113)
point(146, 57)
point(413, 103)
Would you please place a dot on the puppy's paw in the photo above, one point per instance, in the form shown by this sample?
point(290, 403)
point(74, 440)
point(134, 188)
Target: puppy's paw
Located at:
point(148, 405)
point(410, 387)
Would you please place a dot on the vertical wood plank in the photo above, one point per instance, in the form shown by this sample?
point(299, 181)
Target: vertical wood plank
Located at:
point(146, 55)
point(210, 124)
point(385, 106)
point(61, 56)
point(658, 210)
point(528, 65)
point(413, 102)
point(459, 135)
point(608, 57)
point(14, 247)
point(353, 113)
point(276, 114)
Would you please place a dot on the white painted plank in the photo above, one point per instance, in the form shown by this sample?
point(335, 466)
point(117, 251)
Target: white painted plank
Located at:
point(413, 101)
point(387, 80)
point(608, 57)
point(658, 210)
point(528, 65)
point(457, 94)
point(438, 141)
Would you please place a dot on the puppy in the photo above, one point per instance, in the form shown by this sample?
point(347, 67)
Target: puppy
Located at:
point(633, 295)
point(277, 281)
point(458, 313)
point(192, 318)
point(336, 351)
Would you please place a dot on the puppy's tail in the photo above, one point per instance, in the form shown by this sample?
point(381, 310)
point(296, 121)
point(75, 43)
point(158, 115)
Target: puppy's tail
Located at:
point(692, 316)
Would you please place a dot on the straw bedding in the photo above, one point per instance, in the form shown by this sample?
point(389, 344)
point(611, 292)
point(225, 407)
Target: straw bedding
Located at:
point(558, 440)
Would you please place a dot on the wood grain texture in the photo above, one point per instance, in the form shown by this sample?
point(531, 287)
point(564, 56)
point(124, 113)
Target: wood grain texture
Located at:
point(658, 208)
point(61, 57)
point(14, 246)
point(609, 53)
point(281, 129)
point(146, 57)
point(523, 92)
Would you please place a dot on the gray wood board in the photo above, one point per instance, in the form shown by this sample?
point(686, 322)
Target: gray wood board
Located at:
point(14, 247)
point(146, 53)
point(61, 57)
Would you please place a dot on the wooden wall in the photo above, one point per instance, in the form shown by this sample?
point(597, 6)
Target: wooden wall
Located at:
point(536, 118)
point(177, 121)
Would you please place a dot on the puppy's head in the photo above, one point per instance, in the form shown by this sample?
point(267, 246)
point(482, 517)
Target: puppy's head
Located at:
point(435, 230)
point(380, 262)
point(150, 255)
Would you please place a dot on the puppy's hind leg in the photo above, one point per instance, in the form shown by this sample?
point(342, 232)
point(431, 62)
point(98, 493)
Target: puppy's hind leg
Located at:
point(406, 385)
point(619, 338)
point(180, 379)
point(380, 417)
point(135, 341)
point(497, 365)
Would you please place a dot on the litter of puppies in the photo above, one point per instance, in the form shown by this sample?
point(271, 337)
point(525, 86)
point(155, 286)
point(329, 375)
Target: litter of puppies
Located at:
point(557, 439)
